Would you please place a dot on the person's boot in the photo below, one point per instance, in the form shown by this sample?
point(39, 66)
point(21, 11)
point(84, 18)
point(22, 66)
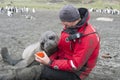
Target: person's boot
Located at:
point(7, 58)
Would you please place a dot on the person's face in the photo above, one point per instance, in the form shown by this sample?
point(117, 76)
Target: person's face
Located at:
point(70, 24)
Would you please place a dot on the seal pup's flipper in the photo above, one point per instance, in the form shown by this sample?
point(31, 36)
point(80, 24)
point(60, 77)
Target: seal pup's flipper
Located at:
point(7, 58)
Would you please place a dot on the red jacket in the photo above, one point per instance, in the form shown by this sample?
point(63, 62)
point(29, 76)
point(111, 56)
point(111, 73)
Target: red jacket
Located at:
point(78, 56)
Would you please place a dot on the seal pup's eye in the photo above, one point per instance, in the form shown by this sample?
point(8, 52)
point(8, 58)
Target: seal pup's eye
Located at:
point(42, 43)
point(51, 37)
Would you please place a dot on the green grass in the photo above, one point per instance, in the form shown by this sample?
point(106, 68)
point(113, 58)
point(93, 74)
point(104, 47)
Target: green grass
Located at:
point(44, 5)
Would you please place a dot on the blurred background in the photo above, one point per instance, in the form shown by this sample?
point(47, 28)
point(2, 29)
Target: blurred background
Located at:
point(56, 4)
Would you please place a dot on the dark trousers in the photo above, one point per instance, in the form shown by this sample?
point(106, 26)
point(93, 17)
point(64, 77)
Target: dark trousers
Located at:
point(53, 74)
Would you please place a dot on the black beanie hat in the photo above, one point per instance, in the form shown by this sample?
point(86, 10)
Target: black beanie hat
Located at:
point(69, 13)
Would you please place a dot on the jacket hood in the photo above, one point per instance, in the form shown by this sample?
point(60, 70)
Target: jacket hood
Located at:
point(84, 15)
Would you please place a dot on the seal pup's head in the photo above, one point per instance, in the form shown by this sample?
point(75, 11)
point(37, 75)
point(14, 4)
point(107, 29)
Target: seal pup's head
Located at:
point(49, 42)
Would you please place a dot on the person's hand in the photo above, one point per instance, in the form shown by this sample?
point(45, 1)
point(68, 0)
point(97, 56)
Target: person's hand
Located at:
point(44, 60)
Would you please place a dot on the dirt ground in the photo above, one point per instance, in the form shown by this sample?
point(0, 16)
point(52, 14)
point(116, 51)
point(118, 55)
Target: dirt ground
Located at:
point(17, 32)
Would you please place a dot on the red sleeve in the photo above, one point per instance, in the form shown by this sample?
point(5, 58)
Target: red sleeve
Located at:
point(62, 64)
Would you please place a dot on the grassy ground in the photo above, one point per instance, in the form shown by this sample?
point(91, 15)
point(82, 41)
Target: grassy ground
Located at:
point(45, 5)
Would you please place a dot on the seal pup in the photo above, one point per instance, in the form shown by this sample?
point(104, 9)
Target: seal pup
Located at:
point(48, 43)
